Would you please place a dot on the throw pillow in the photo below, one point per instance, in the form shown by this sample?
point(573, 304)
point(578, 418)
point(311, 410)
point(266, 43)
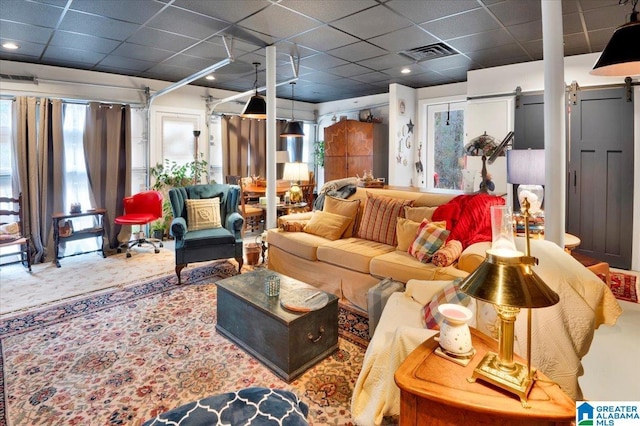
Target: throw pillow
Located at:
point(447, 254)
point(450, 293)
point(203, 214)
point(327, 225)
point(428, 239)
point(380, 218)
point(293, 225)
point(348, 208)
point(416, 214)
point(406, 231)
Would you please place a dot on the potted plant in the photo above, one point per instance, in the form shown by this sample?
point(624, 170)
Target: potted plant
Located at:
point(169, 175)
point(158, 228)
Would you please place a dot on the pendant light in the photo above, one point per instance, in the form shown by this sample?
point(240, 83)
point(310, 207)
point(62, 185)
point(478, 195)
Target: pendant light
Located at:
point(292, 128)
point(621, 56)
point(256, 107)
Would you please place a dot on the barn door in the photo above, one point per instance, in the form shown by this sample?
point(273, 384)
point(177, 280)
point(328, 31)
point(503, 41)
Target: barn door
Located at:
point(600, 174)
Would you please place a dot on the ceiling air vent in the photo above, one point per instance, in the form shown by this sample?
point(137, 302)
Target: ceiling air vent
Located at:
point(19, 78)
point(431, 51)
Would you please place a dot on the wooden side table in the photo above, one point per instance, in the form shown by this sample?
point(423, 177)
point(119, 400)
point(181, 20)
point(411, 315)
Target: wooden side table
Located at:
point(435, 391)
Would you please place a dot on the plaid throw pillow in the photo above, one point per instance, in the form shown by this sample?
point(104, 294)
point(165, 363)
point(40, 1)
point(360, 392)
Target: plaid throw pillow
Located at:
point(450, 293)
point(379, 218)
point(428, 240)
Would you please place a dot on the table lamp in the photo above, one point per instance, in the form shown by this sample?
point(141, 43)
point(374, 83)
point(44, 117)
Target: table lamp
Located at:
point(506, 280)
point(525, 167)
point(295, 172)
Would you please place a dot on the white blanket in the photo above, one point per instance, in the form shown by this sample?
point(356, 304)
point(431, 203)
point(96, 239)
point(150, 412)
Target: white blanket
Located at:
point(561, 334)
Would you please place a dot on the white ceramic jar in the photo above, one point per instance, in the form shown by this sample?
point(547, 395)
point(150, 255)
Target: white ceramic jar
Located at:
point(455, 336)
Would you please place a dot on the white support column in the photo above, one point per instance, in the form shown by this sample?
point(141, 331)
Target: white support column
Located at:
point(271, 138)
point(554, 122)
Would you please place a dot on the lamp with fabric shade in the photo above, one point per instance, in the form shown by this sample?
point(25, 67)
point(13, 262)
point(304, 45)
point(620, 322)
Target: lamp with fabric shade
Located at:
point(621, 56)
point(525, 167)
point(295, 172)
point(282, 157)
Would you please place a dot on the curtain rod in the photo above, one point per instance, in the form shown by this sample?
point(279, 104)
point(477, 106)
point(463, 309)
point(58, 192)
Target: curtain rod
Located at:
point(78, 101)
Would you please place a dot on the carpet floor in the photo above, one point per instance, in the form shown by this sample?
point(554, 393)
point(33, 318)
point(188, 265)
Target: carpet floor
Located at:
point(123, 356)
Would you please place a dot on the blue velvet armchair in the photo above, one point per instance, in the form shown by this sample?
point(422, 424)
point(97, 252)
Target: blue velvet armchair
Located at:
point(206, 244)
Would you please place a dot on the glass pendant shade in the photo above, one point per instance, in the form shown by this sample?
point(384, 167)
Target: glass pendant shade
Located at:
point(621, 56)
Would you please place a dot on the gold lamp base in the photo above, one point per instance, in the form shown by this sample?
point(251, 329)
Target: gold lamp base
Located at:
point(516, 381)
point(295, 193)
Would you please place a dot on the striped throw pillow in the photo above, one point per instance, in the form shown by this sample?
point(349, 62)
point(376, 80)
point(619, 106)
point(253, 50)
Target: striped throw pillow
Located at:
point(380, 217)
point(447, 254)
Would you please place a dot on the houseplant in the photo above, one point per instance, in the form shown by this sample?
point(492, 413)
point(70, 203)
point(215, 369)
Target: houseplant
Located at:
point(169, 175)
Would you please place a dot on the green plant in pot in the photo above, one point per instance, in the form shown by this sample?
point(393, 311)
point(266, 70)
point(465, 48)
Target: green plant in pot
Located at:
point(158, 228)
point(169, 175)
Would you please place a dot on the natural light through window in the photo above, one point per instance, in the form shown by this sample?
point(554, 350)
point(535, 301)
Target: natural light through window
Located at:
point(445, 146)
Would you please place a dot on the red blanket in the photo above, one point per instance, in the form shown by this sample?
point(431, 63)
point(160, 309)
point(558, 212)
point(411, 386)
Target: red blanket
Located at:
point(468, 217)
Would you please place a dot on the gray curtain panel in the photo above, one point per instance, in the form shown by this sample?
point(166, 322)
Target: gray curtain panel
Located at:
point(107, 149)
point(244, 145)
point(39, 161)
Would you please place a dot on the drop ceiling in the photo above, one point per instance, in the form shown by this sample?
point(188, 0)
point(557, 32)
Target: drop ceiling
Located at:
point(346, 48)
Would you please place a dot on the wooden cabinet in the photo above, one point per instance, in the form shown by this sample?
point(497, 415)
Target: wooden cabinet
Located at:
point(351, 147)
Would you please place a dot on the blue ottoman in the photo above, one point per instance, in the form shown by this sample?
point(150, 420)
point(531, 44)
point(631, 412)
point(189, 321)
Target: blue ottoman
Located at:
point(251, 406)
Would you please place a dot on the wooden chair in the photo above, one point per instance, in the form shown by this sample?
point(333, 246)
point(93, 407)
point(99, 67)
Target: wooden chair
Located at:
point(253, 215)
point(307, 194)
point(12, 232)
point(232, 179)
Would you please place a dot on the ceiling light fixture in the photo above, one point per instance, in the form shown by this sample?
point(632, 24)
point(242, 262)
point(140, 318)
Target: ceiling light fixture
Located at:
point(256, 107)
point(10, 45)
point(405, 71)
point(292, 128)
point(210, 77)
point(621, 56)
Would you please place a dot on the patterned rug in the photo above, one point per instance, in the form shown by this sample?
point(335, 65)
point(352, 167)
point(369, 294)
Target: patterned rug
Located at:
point(121, 357)
point(623, 286)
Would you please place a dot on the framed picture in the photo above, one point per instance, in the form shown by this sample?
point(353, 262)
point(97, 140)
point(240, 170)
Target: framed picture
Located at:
point(401, 106)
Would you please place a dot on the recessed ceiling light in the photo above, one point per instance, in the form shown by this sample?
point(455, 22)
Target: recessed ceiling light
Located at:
point(405, 71)
point(210, 77)
point(10, 45)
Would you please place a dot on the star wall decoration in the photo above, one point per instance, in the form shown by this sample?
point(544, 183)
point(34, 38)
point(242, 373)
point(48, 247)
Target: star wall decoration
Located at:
point(410, 126)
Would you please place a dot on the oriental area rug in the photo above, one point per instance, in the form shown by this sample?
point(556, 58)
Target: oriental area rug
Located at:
point(623, 286)
point(122, 357)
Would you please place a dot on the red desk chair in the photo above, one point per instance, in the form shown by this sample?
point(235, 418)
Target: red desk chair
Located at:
point(141, 209)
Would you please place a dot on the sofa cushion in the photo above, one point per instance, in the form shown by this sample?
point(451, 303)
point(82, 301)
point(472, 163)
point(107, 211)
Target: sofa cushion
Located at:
point(327, 225)
point(428, 240)
point(379, 218)
point(416, 214)
point(406, 231)
point(206, 238)
point(348, 208)
point(352, 253)
point(401, 266)
point(203, 214)
point(302, 244)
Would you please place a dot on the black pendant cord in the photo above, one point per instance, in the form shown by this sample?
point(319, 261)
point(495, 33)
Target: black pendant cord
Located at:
point(448, 111)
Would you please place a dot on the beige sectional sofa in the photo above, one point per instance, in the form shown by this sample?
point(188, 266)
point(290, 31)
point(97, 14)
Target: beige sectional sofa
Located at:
point(349, 267)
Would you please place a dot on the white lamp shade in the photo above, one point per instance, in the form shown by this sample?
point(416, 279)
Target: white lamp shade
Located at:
point(295, 172)
point(525, 166)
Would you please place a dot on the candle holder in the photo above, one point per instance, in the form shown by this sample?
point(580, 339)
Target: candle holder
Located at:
point(272, 285)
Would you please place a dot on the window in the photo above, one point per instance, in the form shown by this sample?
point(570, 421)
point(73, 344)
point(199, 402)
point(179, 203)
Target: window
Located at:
point(6, 147)
point(445, 128)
